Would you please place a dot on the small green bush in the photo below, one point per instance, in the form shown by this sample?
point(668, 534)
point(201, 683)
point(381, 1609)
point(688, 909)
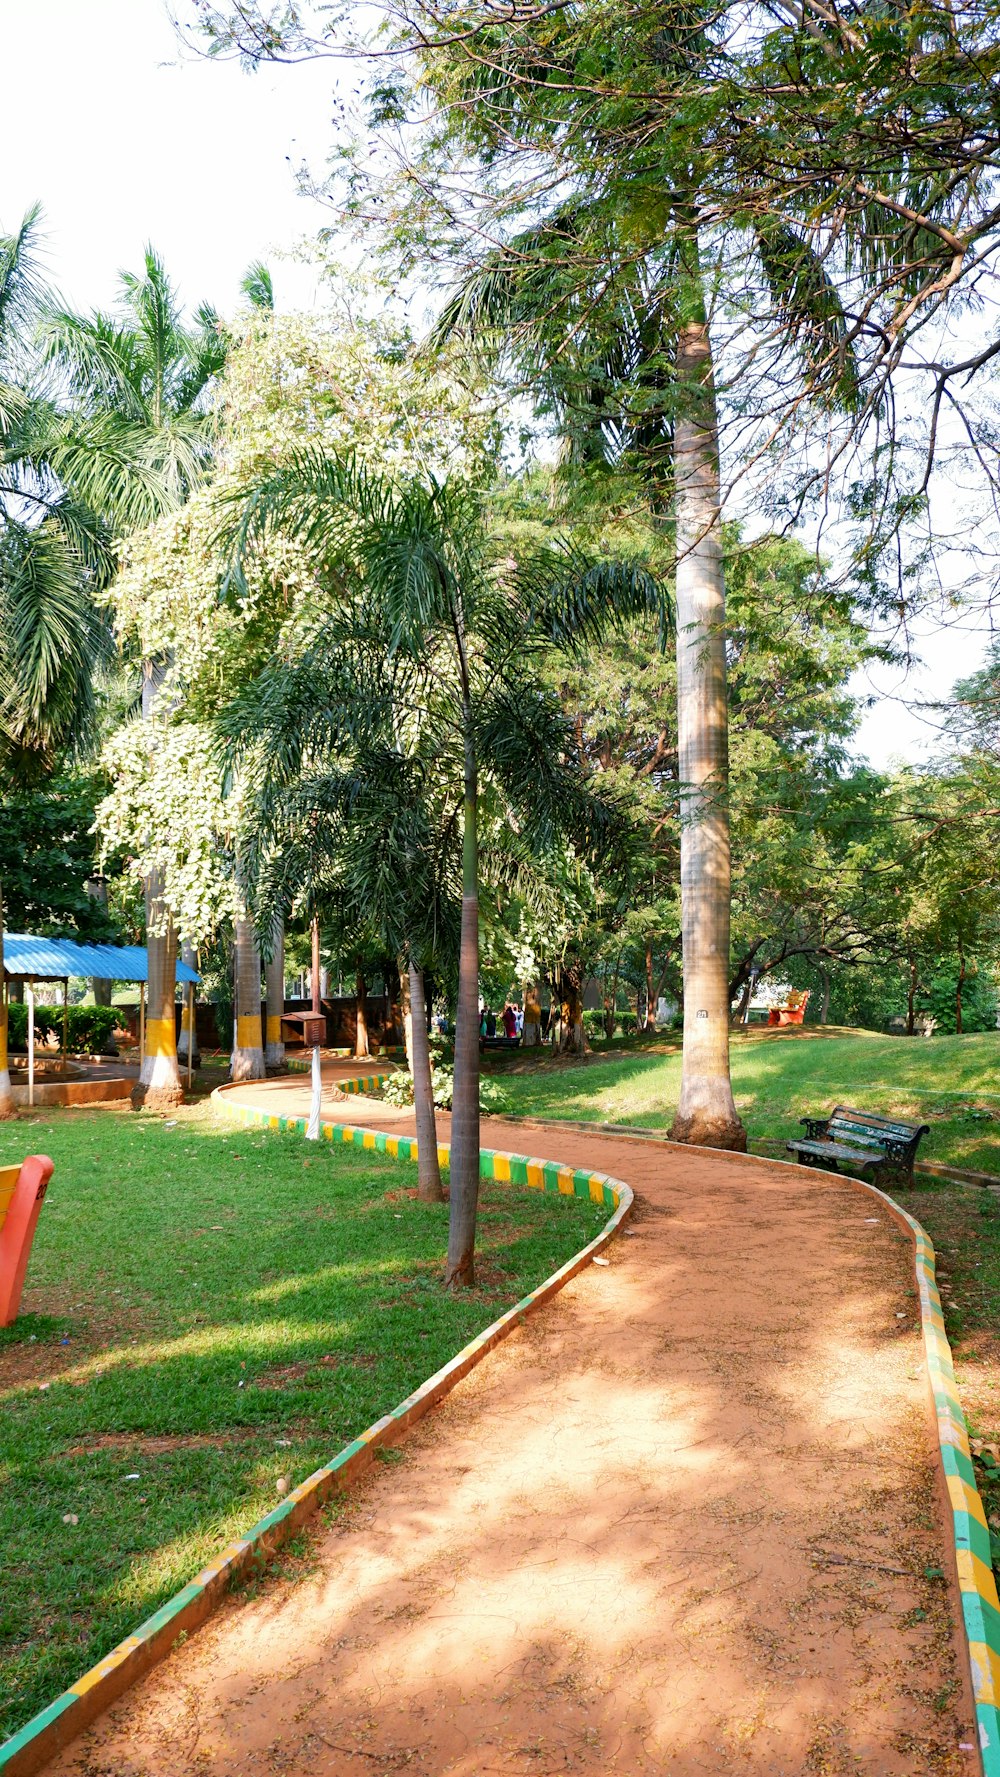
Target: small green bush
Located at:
point(89, 1027)
point(398, 1090)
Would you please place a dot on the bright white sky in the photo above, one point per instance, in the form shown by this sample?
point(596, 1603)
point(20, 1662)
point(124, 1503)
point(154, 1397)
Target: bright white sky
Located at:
point(123, 143)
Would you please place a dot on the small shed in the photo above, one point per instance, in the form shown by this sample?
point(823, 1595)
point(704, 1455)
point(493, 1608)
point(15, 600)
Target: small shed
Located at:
point(30, 959)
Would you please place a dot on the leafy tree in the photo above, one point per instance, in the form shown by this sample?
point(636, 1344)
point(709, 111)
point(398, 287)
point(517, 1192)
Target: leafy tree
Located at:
point(49, 852)
point(714, 195)
point(470, 618)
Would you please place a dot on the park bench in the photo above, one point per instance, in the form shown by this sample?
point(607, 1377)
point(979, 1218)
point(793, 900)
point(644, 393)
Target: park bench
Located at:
point(22, 1191)
point(500, 1042)
point(885, 1147)
point(792, 1012)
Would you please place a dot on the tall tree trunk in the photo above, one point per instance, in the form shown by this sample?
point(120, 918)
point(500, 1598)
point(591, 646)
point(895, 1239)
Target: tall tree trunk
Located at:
point(159, 1087)
point(248, 1038)
point(7, 1108)
point(188, 1038)
point(960, 983)
point(706, 1112)
point(531, 1031)
point(650, 1003)
point(429, 1186)
point(911, 997)
point(274, 987)
point(100, 986)
point(406, 1003)
point(572, 1036)
point(746, 996)
point(361, 1048)
point(824, 1011)
point(464, 1162)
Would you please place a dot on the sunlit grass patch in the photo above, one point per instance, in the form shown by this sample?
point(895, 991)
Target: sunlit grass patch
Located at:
point(210, 1312)
point(952, 1083)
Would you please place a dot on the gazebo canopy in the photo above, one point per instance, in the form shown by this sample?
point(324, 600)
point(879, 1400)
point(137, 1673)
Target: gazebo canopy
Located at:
point(55, 959)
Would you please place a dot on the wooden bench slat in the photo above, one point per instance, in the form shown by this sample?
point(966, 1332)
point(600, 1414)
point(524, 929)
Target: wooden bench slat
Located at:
point(835, 1150)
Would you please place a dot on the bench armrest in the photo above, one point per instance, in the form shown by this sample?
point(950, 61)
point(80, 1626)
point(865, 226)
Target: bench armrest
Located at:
point(815, 1126)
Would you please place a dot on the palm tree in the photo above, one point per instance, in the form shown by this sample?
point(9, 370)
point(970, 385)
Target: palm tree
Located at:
point(139, 378)
point(470, 623)
point(54, 549)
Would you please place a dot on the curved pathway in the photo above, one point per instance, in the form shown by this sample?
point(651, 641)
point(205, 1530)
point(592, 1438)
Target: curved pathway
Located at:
point(683, 1521)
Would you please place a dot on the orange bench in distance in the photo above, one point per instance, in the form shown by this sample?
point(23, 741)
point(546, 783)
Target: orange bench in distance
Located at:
point(22, 1193)
point(792, 1012)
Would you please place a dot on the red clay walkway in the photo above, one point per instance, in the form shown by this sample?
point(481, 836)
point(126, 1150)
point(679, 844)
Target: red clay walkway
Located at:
point(683, 1522)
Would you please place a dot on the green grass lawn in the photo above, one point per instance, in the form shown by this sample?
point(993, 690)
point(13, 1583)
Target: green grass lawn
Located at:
point(964, 1224)
point(210, 1310)
point(952, 1083)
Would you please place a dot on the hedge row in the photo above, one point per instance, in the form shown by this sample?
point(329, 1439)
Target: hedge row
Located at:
point(89, 1026)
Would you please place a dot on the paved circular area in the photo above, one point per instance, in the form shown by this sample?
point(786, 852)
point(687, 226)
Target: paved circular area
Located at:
point(684, 1522)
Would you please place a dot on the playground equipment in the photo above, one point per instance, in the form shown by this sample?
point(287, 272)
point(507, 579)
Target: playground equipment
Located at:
point(22, 1193)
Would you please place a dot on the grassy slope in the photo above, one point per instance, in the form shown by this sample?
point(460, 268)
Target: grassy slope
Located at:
point(952, 1083)
point(208, 1309)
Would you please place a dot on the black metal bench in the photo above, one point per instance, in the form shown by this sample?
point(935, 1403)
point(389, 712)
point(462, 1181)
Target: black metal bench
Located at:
point(883, 1147)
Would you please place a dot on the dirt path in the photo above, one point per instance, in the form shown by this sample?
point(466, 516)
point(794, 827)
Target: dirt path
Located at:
point(680, 1523)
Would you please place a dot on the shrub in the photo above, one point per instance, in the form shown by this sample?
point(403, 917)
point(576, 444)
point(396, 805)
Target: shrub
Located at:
point(398, 1090)
point(89, 1027)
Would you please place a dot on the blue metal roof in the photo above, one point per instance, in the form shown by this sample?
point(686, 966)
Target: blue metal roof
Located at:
point(50, 959)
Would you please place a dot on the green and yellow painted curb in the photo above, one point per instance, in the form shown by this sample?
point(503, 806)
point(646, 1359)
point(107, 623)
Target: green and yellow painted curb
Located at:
point(976, 1582)
point(41, 1738)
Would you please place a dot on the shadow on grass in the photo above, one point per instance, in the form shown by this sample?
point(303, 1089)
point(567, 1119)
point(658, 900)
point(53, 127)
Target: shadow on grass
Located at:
point(211, 1314)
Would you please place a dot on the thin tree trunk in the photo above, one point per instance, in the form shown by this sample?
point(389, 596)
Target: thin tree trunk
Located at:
point(429, 1186)
point(464, 1162)
point(911, 997)
point(531, 1031)
point(189, 1016)
point(361, 1048)
point(824, 1011)
point(100, 986)
point(159, 1087)
point(7, 1108)
point(274, 992)
point(406, 1000)
point(745, 998)
point(650, 1005)
point(706, 1112)
point(960, 983)
point(248, 1038)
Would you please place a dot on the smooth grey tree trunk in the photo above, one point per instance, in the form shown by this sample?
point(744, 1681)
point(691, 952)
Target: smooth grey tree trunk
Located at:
point(464, 1158)
point(274, 993)
point(248, 1042)
point(159, 1086)
point(706, 1113)
point(188, 1039)
point(429, 1186)
point(361, 1048)
point(100, 986)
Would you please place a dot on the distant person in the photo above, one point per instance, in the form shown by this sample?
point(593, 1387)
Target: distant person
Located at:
point(491, 1022)
point(519, 1019)
point(509, 1022)
point(482, 1022)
